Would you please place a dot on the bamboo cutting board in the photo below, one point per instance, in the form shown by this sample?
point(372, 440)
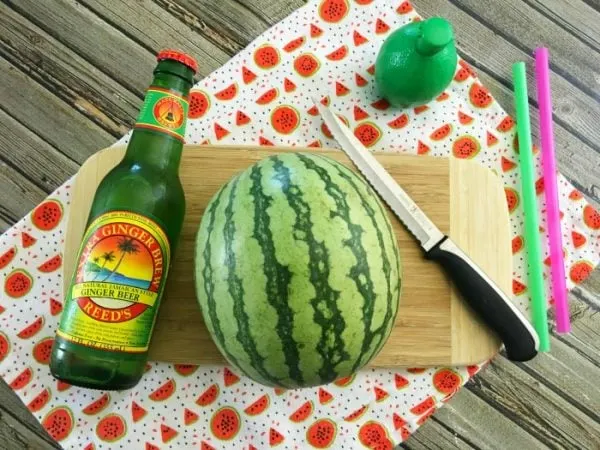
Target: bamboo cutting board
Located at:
point(433, 326)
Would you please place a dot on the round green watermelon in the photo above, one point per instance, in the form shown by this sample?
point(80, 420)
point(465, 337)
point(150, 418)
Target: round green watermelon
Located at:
point(297, 271)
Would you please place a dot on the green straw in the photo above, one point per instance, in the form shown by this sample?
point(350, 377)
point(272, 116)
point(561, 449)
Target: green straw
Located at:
point(532, 234)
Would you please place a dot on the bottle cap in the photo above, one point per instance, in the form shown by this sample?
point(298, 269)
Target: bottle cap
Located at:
point(178, 56)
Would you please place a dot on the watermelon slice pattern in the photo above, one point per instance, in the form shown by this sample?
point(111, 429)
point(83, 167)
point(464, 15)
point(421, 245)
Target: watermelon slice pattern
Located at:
point(418, 388)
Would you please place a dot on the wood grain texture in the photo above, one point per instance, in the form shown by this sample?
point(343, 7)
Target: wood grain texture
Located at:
point(434, 327)
point(71, 46)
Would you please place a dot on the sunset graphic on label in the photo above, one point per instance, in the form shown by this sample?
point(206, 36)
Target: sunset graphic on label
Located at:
point(169, 112)
point(119, 274)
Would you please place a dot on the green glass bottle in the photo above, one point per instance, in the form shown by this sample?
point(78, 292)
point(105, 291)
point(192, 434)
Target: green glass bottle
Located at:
point(132, 230)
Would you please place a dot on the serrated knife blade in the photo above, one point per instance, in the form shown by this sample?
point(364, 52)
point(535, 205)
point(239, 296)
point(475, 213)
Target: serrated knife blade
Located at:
point(492, 305)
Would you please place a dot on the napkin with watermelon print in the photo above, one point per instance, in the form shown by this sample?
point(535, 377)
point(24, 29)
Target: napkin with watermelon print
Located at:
point(326, 49)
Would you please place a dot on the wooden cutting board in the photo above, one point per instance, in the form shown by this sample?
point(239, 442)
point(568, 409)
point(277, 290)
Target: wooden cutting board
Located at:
point(433, 326)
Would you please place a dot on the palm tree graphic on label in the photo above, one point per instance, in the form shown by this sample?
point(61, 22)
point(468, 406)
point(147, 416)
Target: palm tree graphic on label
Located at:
point(126, 246)
point(107, 257)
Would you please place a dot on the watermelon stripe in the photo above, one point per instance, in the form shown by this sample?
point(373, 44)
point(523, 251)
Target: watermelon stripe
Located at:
point(326, 312)
point(392, 293)
point(278, 275)
point(360, 272)
point(208, 282)
point(236, 291)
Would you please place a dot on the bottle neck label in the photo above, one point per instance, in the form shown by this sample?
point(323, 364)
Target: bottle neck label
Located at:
point(114, 296)
point(164, 111)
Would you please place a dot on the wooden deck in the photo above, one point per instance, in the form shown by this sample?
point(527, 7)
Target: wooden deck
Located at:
point(73, 76)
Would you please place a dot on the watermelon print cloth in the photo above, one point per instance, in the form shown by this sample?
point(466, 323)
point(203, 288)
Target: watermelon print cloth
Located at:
point(311, 53)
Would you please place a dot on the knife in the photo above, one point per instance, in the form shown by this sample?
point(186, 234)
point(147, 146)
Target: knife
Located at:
point(492, 305)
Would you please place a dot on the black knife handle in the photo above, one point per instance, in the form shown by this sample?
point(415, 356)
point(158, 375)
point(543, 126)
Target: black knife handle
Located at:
point(492, 305)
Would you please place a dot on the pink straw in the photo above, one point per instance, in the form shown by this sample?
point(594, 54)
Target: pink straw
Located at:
point(559, 288)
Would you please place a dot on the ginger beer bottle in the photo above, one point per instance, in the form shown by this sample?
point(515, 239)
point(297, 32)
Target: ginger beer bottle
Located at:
point(134, 224)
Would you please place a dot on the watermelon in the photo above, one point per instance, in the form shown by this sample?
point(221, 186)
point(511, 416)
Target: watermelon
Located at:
point(380, 394)
point(338, 54)
point(441, 133)
point(465, 147)
point(207, 446)
point(58, 423)
point(344, 381)
point(372, 433)
point(208, 396)
point(290, 218)
point(426, 416)
point(368, 133)
point(303, 412)
point(579, 240)
point(400, 381)
point(21, 380)
point(591, 217)
point(399, 421)
point(264, 141)
point(199, 104)
point(480, 96)
point(416, 370)
point(507, 164)
point(315, 144)
point(241, 118)
point(464, 118)
point(18, 283)
point(404, 8)
point(42, 350)
point(518, 288)
point(164, 391)
point(446, 381)
point(27, 240)
point(321, 434)
point(506, 125)
point(268, 96)
point(333, 11)
point(517, 244)
point(579, 271)
point(150, 446)
point(324, 396)
point(62, 385)
point(97, 405)
point(315, 31)
point(381, 104)
point(442, 97)
point(185, 369)
point(167, 433)
point(381, 27)
point(259, 406)
point(575, 195)
point(247, 75)
point(288, 85)
point(491, 139)
point(138, 412)
point(228, 93)
point(225, 423)
point(371, 69)
point(356, 414)
point(420, 109)
point(360, 80)
point(285, 119)
point(189, 416)
point(111, 428)
point(39, 401)
point(47, 215)
point(461, 75)
point(294, 44)
point(32, 329)
point(423, 407)
point(340, 89)
point(512, 199)
point(306, 65)
point(220, 131)
point(266, 56)
point(359, 39)
point(229, 378)
point(7, 257)
point(56, 307)
point(51, 265)
point(399, 122)
point(359, 113)
point(422, 148)
point(275, 437)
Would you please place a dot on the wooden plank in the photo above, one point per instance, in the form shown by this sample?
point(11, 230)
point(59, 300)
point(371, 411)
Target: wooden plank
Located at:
point(229, 17)
point(153, 27)
point(18, 195)
point(272, 12)
point(526, 28)
point(108, 49)
point(48, 117)
point(482, 425)
point(66, 74)
point(25, 427)
point(574, 110)
point(433, 435)
point(38, 161)
point(575, 16)
point(535, 407)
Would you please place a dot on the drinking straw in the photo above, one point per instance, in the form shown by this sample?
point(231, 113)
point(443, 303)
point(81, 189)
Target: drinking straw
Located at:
point(557, 264)
point(532, 236)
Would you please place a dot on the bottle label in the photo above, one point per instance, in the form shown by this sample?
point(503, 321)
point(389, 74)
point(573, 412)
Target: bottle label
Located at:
point(164, 111)
point(113, 298)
